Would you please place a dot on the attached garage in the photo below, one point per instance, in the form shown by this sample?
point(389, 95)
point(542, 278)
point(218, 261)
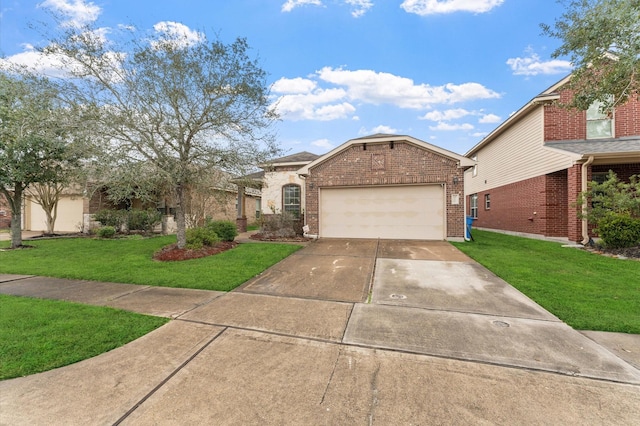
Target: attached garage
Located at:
point(386, 186)
point(388, 212)
point(69, 218)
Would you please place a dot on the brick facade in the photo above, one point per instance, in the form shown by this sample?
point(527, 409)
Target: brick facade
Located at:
point(562, 124)
point(544, 205)
point(533, 206)
point(404, 164)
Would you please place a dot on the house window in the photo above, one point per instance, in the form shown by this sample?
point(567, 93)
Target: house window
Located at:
point(599, 124)
point(291, 199)
point(474, 206)
point(475, 166)
point(487, 201)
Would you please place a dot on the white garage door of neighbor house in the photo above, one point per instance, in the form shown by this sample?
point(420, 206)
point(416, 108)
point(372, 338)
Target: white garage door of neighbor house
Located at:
point(390, 212)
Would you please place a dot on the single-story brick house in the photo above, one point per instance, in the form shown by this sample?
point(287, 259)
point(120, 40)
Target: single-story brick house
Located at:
point(385, 186)
point(531, 169)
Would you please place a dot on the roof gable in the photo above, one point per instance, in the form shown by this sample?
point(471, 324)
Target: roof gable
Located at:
point(386, 138)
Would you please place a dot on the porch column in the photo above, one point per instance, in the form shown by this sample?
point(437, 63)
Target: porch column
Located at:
point(574, 184)
point(241, 218)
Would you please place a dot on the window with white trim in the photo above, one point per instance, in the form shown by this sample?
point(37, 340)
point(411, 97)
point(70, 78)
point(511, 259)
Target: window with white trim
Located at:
point(475, 166)
point(487, 201)
point(291, 199)
point(599, 123)
point(474, 205)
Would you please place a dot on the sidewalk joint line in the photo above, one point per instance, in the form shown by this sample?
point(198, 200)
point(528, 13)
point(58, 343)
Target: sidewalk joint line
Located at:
point(166, 379)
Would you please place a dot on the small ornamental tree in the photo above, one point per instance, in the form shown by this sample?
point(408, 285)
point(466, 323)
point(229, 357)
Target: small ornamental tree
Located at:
point(614, 207)
point(35, 130)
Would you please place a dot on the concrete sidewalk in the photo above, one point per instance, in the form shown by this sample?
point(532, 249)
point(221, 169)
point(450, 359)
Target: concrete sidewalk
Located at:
point(341, 332)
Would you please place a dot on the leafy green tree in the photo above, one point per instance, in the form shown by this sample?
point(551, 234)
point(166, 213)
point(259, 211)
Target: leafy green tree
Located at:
point(614, 207)
point(602, 40)
point(178, 104)
point(34, 140)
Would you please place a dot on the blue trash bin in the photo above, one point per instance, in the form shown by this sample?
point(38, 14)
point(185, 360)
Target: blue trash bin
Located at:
point(468, 227)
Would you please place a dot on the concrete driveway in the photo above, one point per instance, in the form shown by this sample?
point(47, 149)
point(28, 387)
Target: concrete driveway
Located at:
point(341, 332)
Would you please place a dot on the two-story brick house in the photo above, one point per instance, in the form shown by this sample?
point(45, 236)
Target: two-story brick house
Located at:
point(531, 169)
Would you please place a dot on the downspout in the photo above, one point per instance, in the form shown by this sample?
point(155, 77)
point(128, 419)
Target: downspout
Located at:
point(585, 222)
point(464, 206)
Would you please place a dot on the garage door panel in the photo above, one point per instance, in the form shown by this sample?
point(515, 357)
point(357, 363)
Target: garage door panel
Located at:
point(401, 212)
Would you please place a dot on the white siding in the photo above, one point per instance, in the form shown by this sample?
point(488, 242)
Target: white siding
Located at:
point(517, 154)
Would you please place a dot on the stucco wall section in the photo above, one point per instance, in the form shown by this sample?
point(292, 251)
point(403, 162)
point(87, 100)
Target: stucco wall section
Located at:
point(272, 188)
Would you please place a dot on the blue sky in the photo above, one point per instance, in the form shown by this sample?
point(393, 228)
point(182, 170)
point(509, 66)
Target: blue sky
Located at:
point(444, 71)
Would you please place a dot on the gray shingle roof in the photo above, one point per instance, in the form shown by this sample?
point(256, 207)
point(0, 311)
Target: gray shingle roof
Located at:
point(299, 157)
point(599, 146)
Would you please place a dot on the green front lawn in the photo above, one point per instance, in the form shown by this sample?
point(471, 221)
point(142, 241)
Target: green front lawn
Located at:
point(130, 261)
point(38, 335)
point(585, 290)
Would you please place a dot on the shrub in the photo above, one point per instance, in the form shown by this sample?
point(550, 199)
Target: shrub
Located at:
point(282, 225)
point(106, 232)
point(143, 220)
point(619, 230)
point(114, 218)
point(226, 230)
point(200, 237)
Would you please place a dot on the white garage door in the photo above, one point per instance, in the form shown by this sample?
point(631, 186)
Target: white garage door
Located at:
point(391, 212)
point(69, 218)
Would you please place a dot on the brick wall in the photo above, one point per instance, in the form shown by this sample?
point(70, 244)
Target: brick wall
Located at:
point(404, 164)
point(565, 124)
point(533, 206)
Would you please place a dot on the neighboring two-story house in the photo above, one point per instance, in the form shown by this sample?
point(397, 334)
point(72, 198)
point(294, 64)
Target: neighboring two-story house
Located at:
point(530, 170)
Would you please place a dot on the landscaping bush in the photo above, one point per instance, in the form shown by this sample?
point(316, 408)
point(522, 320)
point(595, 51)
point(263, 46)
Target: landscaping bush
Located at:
point(282, 225)
point(619, 230)
point(143, 220)
point(106, 232)
point(114, 218)
point(200, 237)
point(226, 230)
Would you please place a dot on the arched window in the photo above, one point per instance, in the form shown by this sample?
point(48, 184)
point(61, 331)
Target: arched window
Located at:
point(291, 197)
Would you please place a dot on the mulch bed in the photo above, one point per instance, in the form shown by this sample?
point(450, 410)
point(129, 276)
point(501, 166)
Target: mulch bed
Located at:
point(172, 253)
point(621, 253)
point(263, 237)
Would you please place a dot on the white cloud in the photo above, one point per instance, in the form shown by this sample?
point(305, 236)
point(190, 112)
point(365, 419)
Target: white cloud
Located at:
point(432, 7)
point(446, 127)
point(77, 12)
point(322, 104)
point(31, 59)
point(388, 130)
point(450, 114)
point(294, 85)
point(533, 65)
point(323, 143)
point(332, 93)
point(360, 7)
point(289, 5)
point(479, 134)
point(489, 118)
point(384, 88)
point(177, 34)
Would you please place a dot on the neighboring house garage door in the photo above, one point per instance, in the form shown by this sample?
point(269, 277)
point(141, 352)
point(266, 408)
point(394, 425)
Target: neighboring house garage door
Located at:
point(390, 212)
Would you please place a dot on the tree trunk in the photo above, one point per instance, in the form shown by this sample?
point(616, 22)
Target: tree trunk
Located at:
point(16, 217)
point(51, 214)
point(180, 217)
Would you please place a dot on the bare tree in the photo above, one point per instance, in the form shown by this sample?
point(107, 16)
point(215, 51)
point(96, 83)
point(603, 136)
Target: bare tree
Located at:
point(181, 104)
